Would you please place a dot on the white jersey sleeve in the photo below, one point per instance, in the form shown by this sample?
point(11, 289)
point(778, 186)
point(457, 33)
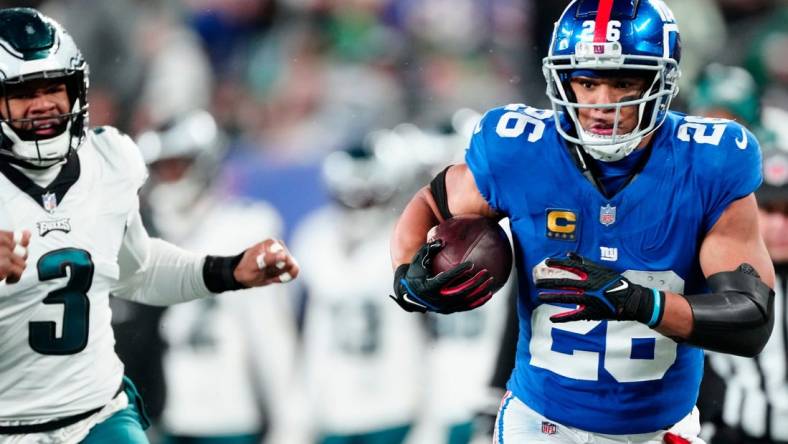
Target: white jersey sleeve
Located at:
point(122, 158)
point(155, 272)
point(151, 271)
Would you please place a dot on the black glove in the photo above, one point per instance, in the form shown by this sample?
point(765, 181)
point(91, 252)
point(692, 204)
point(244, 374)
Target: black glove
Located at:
point(460, 289)
point(599, 292)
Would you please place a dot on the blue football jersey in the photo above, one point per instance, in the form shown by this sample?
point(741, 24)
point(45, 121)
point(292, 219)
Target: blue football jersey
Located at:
point(610, 377)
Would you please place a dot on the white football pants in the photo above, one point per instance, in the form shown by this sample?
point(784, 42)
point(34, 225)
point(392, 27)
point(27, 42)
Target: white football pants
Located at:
point(518, 424)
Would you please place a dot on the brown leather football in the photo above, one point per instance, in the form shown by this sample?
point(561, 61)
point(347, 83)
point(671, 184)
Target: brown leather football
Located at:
point(476, 239)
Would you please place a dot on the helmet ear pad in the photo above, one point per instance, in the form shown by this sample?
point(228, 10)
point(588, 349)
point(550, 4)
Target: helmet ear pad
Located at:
point(77, 94)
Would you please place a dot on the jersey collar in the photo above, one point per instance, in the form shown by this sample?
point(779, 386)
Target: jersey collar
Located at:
point(68, 176)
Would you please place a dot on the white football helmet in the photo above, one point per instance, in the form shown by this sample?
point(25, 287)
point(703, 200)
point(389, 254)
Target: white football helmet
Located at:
point(34, 47)
point(177, 204)
point(360, 177)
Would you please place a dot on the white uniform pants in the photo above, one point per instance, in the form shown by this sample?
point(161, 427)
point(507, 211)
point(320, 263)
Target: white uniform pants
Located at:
point(518, 424)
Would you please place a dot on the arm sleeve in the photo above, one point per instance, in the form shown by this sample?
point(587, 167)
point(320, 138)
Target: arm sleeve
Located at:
point(154, 272)
point(733, 172)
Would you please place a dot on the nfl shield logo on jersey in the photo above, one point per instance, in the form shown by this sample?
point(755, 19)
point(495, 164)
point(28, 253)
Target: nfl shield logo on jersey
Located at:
point(50, 202)
point(607, 215)
point(548, 428)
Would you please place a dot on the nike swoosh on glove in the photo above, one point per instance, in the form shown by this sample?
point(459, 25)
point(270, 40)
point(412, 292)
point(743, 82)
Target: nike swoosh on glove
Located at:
point(599, 292)
point(461, 288)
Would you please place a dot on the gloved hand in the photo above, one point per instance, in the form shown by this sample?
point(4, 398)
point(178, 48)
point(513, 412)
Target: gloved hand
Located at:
point(460, 289)
point(599, 292)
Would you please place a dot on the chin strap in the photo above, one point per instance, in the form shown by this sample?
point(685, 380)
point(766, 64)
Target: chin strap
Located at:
point(607, 153)
point(38, 154)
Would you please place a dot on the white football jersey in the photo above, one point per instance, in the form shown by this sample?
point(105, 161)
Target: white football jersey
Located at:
point(362, 353)
point(57, 354)
point(229, 358)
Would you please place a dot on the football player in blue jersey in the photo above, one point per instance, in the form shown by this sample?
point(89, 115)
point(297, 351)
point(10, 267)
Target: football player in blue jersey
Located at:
point(635, 231)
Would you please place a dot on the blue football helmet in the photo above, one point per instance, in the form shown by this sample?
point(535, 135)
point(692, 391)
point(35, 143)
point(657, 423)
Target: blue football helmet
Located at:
point(611, 37)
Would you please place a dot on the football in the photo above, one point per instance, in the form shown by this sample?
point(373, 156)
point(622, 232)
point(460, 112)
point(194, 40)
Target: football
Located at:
point(478, 240)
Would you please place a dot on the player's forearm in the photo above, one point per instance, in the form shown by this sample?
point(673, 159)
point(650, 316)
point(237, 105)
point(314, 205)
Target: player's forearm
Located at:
point(736, 317)
point(677, 320)
point(411, 230)
point(155, 272)
point(171, 275)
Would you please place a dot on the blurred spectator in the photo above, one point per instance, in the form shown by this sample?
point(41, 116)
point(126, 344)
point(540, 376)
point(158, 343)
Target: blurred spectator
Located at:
point(453, 58)
point(701, 42)
point(327, 81)
point(227, 27)
point(362, 354)
point(730, 92)
point(166, 47)
point(767, 57)
point(106, 32)
point(229, 361)
point(755, 408)
point(739, 9)
point(746, 400)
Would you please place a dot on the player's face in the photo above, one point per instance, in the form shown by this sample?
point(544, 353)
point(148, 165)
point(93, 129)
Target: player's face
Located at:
point(774, 229)
point(36, 106)
point(600, 121)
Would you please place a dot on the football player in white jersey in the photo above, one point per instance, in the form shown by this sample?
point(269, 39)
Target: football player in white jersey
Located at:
point(355, 344)
point(229, 361)
point(70, 233)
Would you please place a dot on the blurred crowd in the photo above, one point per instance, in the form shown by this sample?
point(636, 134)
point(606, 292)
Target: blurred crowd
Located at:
point(321, 116)
point(292, 80)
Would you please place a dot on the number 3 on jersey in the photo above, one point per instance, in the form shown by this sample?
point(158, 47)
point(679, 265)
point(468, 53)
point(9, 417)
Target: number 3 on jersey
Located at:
point(78, 267)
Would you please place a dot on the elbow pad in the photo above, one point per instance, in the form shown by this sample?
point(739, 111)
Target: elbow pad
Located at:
point(737, 317)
